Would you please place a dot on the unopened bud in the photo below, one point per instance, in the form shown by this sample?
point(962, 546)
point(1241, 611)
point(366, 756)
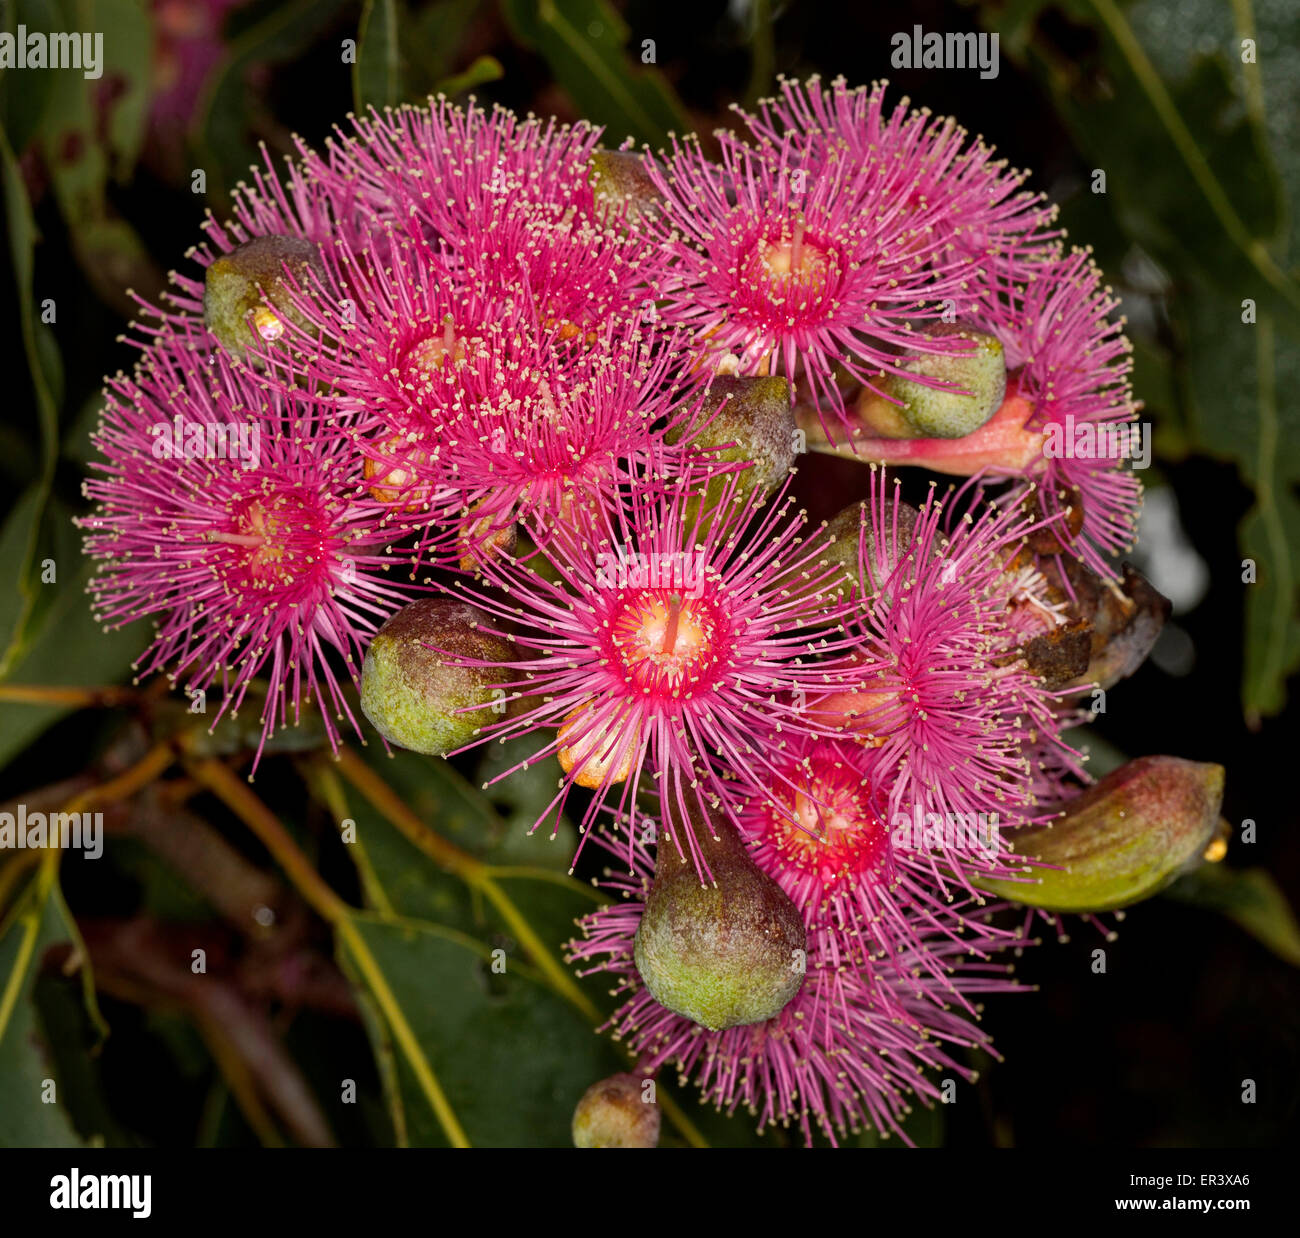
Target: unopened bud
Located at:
point(420, 672)
point(1006, 442)
point(718, 954)
point(621, 185)
point(975, 381)
point(746, 420)
point(246, 296)
point(854, 554)
point(1122, 840)
point(615, 1113)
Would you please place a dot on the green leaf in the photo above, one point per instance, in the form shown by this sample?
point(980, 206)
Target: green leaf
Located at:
point(22, 534)
point(128, 60)
point(17, 541)
point(39, 922)
point(1250, 898)
point(468, 816)
point(69, 648)
point(401, 880)
point(72, 1039)
point(222, 118)
point(510, 1057)
point(379, 74)
point(484, 69)
point(1202, 177)
point(440, 31)
point(24, 96)
point(84, 142)
point(404, 58)
point(583, 42)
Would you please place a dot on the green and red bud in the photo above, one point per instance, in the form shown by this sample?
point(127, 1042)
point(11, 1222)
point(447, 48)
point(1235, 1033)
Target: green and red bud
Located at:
point(1005, 443)
point(725, 954)
point(413, 685)
point(975, 385)
point(1122, 840)
point(246, 296)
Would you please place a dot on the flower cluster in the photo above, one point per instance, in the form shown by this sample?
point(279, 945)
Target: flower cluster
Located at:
point(557, 392)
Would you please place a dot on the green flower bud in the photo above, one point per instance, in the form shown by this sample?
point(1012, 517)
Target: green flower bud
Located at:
point(412, 694)
point(615, 1114)
point(620, 183)
point(1122, 840)
point(725, 954)
point(246, 297)
point(749, 420)
point(937, 412)
point(838, 541)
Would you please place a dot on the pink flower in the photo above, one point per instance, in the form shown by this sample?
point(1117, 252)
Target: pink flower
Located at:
point(979, 211)
point(865, 879)
point(476, 401)
point(1076, 364)
point(227, 515)
point(664, 655)
point(797, 266)
point(446, 169)
point(580, 274)
point(945, 696)
point(848, 1051)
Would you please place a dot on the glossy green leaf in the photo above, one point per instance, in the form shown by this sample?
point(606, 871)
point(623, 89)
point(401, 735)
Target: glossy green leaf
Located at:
point(510, 1057)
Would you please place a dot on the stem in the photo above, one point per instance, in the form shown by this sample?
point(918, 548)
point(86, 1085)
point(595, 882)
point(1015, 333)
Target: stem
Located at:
point(385, 801)
point(54, 694)
point(461, 864)
point(262, 821)
point(127, 783)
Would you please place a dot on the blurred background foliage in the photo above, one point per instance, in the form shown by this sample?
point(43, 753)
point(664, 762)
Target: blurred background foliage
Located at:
point(349, 913)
